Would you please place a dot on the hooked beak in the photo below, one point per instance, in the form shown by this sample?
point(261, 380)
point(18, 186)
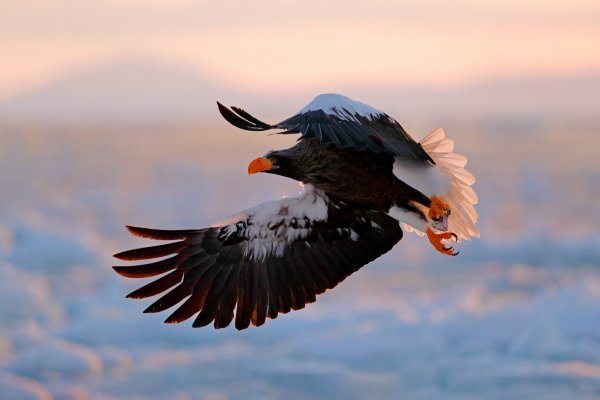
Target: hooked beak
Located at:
point(261, 164)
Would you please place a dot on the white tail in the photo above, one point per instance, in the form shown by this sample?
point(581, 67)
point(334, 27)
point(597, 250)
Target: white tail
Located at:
point(460, 195)
point(447, 179)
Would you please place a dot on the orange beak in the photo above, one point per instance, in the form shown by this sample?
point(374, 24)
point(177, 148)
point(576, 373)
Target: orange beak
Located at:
point(259, 165)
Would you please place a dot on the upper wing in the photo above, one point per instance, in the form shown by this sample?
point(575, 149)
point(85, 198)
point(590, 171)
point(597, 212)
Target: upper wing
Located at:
point(270, 259)
point(336, 119)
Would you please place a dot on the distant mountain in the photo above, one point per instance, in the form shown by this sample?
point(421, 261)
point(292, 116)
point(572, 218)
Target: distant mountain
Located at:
point(146, 91)
point(128, 90)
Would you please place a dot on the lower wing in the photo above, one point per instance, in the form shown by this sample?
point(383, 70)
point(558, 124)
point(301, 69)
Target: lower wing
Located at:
point(267, 260)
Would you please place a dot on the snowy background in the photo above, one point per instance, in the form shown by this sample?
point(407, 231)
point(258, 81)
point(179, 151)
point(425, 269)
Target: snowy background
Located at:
point(516, 315)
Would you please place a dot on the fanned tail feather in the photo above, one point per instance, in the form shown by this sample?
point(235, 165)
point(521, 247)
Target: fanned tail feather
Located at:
point(460, 197)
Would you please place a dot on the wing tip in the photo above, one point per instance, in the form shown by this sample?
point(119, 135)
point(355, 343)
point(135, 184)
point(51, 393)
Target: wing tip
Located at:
point(221, 107)
point(172, 321)
point(123, 271)
point(241, 119)
point(123, 255)
point(138, 231)
point(159, 234)
point(152, 309)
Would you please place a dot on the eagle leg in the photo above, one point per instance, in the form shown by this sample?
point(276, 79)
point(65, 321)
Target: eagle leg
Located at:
point(439, 212)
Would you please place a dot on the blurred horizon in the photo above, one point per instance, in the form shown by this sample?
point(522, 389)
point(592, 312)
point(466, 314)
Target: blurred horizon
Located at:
point(272, 48)
point(150, 91)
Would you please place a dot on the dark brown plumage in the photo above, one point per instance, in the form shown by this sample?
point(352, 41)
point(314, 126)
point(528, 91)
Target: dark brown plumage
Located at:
point(339, 172)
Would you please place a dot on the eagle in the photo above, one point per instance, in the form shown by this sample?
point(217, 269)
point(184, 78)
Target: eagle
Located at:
point(364, 180)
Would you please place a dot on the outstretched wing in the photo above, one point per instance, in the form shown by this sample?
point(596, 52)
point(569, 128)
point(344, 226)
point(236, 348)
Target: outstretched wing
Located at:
point(339, 120)
point(270, 259)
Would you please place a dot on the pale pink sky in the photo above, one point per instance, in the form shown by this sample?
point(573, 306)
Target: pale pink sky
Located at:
point(281, 45)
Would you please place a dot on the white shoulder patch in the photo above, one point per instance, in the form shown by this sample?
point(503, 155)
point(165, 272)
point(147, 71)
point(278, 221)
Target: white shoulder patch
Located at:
point(311, 203)
point(267, 226)
point(341, 106)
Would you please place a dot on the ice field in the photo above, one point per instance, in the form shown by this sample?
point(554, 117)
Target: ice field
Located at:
point(515, 315)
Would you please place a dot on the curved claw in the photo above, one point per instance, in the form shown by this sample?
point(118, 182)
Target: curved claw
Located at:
point(451, 251)
point(436, 241)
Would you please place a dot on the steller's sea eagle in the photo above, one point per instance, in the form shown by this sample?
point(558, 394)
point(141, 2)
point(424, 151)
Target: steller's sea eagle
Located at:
point(363, 177)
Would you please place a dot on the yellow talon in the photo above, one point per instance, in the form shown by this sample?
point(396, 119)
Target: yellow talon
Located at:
point(436, 240)
point(438, 209)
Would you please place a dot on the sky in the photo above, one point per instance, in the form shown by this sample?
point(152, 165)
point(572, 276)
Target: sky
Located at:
point(284, 45)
